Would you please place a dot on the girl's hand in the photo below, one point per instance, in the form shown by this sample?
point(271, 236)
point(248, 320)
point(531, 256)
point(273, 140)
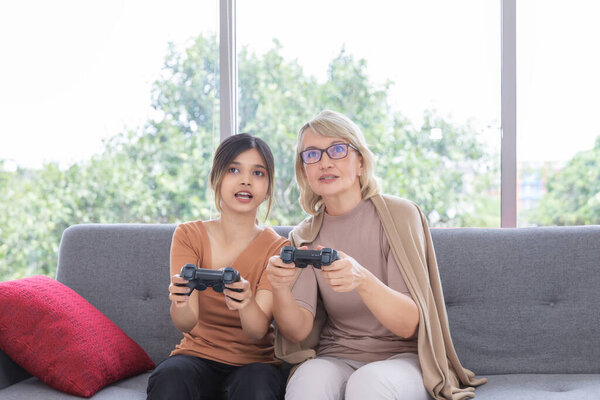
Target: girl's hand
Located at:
point(345, 274)
point(240, 298)
point(179, 294)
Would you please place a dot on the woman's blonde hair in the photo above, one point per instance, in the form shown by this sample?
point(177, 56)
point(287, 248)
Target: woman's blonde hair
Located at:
point(334, 124)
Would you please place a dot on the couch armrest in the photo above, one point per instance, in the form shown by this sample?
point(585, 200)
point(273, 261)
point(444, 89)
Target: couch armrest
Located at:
point(10, 372)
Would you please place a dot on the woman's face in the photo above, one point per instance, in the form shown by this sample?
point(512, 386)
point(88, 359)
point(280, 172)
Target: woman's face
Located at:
point(331, 178)
point(245, 183)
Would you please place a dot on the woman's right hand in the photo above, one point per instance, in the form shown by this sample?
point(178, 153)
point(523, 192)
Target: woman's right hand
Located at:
point(179, 294)
point(293, 321)
point(280, 275)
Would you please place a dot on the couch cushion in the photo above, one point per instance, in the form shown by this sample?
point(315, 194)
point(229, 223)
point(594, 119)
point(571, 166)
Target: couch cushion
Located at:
point(540, 387)
point(123, 270)
point(63, 340)
point(523, 300)
point(283, 230)
point(131, 389)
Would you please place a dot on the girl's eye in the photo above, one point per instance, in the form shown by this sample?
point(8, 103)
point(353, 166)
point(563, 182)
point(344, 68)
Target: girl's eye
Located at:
point(233, 170)
point(259, 173)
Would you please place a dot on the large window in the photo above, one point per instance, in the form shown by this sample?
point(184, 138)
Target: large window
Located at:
point(558, 103)
point(109, 113)
point(422, 79)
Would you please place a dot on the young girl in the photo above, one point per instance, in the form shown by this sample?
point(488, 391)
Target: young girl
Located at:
point(227, 348)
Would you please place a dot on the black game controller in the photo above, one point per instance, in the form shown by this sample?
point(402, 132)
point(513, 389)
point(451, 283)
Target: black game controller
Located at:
point(302, 258)
point(201, 278)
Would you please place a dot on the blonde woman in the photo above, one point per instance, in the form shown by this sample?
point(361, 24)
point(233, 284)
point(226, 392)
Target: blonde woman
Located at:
point(371, 325)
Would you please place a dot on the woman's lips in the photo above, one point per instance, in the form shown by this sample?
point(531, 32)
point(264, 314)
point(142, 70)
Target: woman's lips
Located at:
point(327, 178)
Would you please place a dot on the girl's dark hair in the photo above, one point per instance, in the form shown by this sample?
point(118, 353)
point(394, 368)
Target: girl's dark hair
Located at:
point(228, 150)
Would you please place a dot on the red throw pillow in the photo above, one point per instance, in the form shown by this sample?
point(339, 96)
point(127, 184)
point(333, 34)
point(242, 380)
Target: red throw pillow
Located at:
point(60, 338)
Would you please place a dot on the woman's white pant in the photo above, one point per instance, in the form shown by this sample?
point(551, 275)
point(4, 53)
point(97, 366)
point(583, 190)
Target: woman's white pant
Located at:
point(332, 378)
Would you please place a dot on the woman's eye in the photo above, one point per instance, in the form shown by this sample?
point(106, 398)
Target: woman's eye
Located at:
point(312, 154)
point(338, 150)
point(259, 173)
point(233, 170)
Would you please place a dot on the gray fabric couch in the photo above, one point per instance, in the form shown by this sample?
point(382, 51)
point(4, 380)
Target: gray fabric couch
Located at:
point(523, 304)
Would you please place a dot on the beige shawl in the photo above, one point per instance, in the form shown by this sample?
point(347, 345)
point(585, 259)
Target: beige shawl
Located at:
point(408, 234)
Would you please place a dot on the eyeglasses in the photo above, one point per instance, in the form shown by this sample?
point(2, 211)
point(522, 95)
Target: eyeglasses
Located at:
point(335, 152)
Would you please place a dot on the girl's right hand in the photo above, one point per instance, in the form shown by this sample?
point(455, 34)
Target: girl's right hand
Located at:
point(178, 294)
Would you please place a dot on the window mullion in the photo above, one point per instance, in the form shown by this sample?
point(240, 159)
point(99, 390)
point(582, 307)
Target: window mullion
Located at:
point(508, 161)
point(228, 69)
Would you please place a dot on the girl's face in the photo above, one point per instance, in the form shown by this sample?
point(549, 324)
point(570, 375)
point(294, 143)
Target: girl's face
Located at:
point(245, 183)
point(332, 178)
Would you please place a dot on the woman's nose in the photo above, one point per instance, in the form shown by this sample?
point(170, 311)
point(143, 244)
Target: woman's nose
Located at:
point(325, 161)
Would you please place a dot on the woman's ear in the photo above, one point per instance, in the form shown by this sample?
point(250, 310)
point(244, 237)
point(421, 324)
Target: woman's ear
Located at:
point(360, 165)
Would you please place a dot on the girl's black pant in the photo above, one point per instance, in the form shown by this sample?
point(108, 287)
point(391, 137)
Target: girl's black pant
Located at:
point(186, 377)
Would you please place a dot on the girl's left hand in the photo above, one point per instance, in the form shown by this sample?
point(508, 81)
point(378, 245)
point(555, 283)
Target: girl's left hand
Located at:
point(240, 298)
point(345, 274)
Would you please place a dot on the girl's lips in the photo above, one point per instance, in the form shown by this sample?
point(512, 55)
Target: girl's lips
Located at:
point(244, 197)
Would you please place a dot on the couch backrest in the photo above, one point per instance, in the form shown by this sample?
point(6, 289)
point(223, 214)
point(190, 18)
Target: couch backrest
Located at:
point(523, 300)
point(123, 271)
point(519, 300)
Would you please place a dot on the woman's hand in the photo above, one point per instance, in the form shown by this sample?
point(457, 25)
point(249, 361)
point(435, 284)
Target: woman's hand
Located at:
point(239, 298)
point(293, 321)
point(345, 274)
point(179, 295)
point(281, 275)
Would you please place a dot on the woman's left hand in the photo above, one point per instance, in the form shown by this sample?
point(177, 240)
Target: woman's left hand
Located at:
point(240, 298)
point(345, 274)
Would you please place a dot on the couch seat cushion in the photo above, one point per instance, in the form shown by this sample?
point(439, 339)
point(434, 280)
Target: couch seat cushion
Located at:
point(540, 387)
point(32, 389)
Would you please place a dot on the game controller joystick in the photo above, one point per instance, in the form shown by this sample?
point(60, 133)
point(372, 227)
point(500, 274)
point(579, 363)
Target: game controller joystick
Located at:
point(302, 258)
point(201, 278)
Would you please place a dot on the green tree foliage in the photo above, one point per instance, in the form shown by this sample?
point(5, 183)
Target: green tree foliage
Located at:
point(30, 221)
point(159, 173)
point(453, 177)
point(573, 193)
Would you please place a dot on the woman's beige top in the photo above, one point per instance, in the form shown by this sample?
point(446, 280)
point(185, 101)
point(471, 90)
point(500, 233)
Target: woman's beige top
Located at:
point(351, 330)
point(410, 241)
